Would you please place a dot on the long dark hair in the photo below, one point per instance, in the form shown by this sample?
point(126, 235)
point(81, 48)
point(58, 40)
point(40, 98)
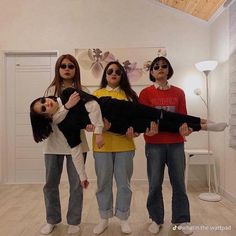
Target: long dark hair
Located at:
point(155, 61)
point(124, 82)
point(57, 81)
point(40, 123)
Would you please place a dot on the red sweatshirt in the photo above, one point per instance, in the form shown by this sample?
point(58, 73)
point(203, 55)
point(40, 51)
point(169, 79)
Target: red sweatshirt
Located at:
point(172, 99)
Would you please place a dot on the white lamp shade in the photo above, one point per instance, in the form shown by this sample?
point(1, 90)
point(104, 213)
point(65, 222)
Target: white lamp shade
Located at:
point(206, 65)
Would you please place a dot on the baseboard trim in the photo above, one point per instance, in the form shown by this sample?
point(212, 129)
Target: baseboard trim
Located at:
point(227, 195)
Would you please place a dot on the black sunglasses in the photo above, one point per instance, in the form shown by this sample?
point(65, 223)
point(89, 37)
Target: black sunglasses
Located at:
point(117, 72)
point(69, 66)
point(43, 101)
point(157, 67)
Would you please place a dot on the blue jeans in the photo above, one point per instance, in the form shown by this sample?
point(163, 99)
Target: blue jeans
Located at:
point(119, 164)
point(54, 166)
point(173, 156)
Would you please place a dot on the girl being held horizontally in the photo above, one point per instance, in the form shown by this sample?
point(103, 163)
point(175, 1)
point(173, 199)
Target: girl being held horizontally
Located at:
point(91, 110)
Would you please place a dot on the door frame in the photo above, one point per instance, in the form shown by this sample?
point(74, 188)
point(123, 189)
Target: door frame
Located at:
point(3, 107)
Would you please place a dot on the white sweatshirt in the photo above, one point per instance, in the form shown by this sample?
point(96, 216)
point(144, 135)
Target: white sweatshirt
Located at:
point(95, 115)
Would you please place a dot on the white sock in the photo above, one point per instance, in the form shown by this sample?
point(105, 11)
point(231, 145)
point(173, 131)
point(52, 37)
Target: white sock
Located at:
point(72, 229)
point(216, 126)
point(101, 226)
point(154, 228)
point(125, 228)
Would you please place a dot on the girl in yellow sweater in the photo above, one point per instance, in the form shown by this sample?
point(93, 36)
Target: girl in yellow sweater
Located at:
point(115, 158)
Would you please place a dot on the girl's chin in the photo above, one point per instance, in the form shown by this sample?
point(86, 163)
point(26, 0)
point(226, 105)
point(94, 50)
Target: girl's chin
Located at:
point(161, 77)
point(113, 85)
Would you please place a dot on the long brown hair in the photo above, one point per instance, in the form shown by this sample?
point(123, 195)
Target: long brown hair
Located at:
point(57, 81)
point(124, 82)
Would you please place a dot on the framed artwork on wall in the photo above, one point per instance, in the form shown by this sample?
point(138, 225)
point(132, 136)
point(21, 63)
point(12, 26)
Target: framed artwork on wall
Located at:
point(136, 62)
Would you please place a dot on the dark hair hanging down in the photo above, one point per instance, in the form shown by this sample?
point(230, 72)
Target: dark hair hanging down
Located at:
point(41, 124)
point(155, 61)
point(124, 82)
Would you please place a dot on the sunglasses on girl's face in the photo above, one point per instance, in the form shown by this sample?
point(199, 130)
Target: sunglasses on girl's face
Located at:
point(157, 67)
point(69, 66)
point(117, 72)
point(43, 101)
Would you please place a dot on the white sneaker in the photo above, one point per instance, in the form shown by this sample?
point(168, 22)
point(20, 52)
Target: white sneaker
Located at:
point(186, 228)
point(101, 226)
point(125, 228)
point(154, 228)
point(73, 229)
point(217, 127)
point(47, 229)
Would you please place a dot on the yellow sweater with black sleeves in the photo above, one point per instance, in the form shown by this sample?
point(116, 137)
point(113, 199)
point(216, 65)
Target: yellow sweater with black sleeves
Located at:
point(113, 142)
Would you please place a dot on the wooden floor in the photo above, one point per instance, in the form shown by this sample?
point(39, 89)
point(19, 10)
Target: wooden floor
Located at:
point(22, 213)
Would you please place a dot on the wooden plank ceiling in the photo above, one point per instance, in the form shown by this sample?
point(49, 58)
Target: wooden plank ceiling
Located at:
point(202, 9)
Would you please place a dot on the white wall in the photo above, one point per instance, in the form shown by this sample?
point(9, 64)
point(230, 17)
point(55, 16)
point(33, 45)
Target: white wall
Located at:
point(64, 25)
point(226, 157)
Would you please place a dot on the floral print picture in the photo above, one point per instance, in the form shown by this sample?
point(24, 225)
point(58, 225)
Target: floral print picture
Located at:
point(136, 62)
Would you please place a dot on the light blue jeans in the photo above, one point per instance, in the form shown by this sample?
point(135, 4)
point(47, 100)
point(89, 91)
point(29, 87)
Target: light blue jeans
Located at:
point(54, 166)
point(119, 164)
point(172, 155)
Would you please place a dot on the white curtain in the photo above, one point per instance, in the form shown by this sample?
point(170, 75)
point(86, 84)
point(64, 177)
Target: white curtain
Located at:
point(232, 67)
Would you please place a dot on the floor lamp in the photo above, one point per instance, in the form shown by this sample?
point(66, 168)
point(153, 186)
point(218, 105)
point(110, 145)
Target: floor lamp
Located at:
point(206, 67)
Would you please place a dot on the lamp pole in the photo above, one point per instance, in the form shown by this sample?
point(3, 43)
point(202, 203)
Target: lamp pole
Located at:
point(206, 72)
point(206, 67)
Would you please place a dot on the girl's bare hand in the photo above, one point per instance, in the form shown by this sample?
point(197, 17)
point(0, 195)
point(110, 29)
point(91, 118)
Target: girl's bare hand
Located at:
point(153, 129)
point(73, 100)
point(107, 124)
point(184, 130)
point(99, 140)
point(90, 128)
point(131, 134)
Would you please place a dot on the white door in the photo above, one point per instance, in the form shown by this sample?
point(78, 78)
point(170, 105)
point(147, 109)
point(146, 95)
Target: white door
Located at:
point(27, 77)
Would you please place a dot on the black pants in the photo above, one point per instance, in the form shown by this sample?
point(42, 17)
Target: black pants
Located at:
point(124, 114)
